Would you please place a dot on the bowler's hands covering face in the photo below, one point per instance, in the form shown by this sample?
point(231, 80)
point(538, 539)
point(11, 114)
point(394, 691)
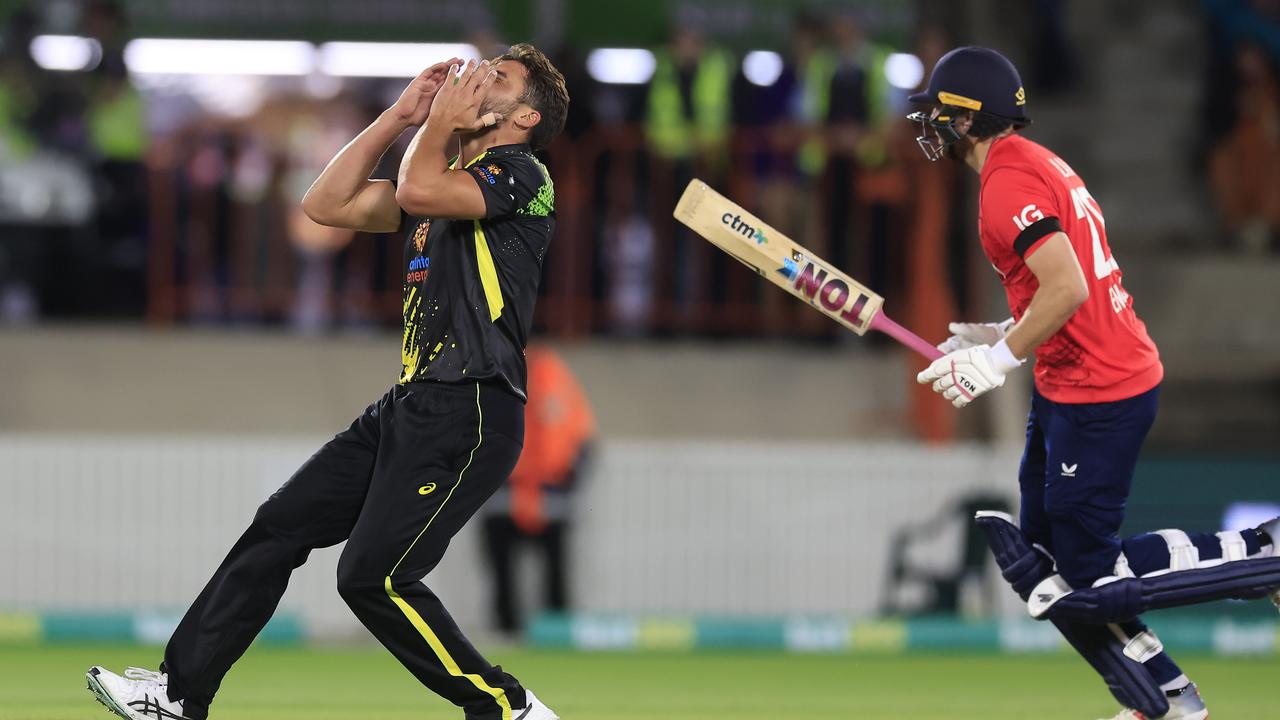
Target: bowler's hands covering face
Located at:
point(457, 104)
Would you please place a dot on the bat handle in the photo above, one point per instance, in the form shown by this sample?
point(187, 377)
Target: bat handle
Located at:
point(887, 326)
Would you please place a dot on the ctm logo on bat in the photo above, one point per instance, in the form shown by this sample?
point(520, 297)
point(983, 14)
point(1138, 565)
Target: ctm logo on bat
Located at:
point(736, 224)
point(833, 293)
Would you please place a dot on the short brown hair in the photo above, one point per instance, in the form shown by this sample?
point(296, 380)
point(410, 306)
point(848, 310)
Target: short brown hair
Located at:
point(544, 91)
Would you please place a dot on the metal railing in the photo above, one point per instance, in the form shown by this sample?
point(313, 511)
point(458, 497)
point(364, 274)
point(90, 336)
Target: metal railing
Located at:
point(618, 261)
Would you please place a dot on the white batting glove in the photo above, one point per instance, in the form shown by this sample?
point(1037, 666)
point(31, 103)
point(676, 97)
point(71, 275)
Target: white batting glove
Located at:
point(963, 375)
point(967, 335)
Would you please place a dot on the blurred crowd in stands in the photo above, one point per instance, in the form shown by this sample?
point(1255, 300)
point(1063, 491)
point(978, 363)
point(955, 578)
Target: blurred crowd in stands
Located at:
point(123, 199)
point(1242, 119)
point(73, 212)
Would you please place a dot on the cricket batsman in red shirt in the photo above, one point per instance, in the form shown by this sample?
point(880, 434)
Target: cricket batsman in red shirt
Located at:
point(1097, 384)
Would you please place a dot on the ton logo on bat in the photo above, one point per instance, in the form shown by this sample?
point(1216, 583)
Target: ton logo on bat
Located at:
point(833, 293)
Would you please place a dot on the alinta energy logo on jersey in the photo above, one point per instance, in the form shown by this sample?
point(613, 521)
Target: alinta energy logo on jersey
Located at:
point(419, 266)
point(489, 172)
point(418, 269)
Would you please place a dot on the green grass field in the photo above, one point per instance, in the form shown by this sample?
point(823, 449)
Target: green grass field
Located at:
point(47, 683)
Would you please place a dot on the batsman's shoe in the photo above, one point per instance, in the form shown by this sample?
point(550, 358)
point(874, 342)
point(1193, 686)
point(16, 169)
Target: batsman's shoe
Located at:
point(1184, 704)
point(1272, 529)
point(534, 709)
point(138, 695)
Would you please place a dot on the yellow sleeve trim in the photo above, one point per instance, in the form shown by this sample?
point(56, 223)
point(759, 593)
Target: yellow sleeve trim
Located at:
point(488, 275)
point(453, 164)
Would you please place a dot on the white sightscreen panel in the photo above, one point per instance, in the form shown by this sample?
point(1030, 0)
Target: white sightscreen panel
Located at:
point(131, 523)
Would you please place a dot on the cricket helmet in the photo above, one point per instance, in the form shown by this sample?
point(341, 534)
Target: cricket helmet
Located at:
point(972, 79)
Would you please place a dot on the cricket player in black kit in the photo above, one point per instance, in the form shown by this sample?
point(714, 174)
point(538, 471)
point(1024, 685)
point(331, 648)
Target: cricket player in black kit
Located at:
point(411, 471)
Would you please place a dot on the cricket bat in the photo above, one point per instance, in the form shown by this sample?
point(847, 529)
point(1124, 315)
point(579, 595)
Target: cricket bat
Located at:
point(788, 265)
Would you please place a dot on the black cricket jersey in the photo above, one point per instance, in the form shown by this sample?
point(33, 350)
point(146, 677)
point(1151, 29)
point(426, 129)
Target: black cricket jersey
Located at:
point(470, 285)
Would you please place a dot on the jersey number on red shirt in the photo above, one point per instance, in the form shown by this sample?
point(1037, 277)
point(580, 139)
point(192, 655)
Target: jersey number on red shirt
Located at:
point(1087, 209)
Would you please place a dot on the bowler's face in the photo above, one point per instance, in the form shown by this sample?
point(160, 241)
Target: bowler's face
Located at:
point(508, 86)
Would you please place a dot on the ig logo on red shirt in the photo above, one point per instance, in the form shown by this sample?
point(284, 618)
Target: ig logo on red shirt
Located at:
point(1029, 216)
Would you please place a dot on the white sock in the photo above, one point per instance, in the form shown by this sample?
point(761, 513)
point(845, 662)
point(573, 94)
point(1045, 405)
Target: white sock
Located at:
point(1176, 684)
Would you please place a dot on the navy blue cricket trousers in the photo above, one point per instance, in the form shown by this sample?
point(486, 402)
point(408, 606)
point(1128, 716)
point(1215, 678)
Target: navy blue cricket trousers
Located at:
point(1076, 473)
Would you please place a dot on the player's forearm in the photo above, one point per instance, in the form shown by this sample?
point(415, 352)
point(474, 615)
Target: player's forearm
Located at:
point(1050, 309)
point(348, 172)
point(423, 167)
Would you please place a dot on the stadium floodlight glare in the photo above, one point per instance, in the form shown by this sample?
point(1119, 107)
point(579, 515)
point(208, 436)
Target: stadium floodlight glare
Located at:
point(65, 52)
point(387, 59)
point(621, 66)
point(174, 56)
point(1244, 515)
point(903, 70)
point(762, 67)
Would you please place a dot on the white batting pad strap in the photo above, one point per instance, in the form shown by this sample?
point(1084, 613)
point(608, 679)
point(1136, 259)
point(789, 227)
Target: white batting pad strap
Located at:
point(1045, 552)
point(1183, 555)
point(1233, 546)
point(1122, 567)
point(1143, 646)
point(1049, 591)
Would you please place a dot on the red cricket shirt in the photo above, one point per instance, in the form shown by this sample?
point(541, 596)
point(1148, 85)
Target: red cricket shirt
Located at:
point(1103, 353)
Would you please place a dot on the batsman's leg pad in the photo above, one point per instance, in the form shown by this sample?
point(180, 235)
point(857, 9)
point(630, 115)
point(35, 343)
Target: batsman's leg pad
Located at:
point(1112, 653)
point(1115, 599)
point(1164, 550)
point(1022, 564)
point(1187, 572)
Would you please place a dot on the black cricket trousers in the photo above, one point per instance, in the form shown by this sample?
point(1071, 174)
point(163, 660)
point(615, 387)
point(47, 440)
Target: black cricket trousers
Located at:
point(397, 486)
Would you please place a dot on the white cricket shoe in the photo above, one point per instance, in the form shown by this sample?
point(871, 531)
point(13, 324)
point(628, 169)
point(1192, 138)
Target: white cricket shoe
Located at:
point(1184, 704)
point(1272, 528)
point(533, 709)
point(138, 695)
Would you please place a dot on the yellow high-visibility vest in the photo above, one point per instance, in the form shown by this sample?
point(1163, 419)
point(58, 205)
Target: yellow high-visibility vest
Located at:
point(117, 125)
point(15, 142)
point(872, 151)
point(818, 71)
point(670, 132)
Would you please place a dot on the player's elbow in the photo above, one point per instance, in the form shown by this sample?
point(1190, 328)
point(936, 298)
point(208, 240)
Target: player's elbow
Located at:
point(416, 200)
point(315, 207)
point(1076, 293)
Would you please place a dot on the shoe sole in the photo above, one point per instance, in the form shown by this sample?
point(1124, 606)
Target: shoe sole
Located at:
point(101, 695)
